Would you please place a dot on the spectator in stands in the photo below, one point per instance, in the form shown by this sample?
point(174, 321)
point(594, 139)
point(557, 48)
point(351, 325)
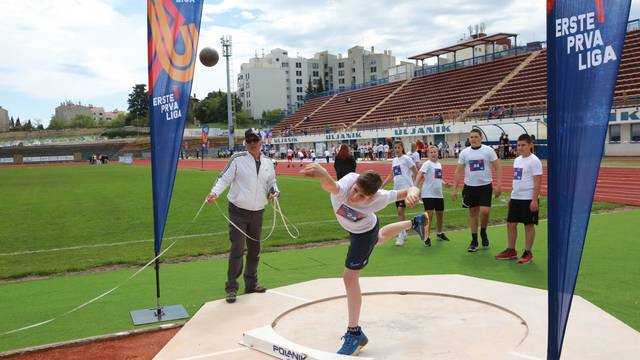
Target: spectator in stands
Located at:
point(348, 100)
point(345, 163)
point(440, 119)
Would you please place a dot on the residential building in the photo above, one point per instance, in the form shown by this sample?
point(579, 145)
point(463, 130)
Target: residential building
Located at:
point(277, 81)
point(5, 123)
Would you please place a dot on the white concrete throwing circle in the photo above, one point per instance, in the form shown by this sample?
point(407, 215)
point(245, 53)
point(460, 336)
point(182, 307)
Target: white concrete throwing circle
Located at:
point(409, 326)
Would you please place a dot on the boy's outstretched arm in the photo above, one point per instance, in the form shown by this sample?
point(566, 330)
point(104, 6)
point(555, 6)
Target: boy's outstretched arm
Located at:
point(411, 196)
point(317, 171)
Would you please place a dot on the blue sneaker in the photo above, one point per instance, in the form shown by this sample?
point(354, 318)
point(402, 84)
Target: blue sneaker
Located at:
point(421, 225)
point(353, 343)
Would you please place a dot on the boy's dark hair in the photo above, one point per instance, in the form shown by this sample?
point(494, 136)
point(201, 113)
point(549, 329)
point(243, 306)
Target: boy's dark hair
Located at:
point(476, 131)
point(369, 182)
point(525, 137)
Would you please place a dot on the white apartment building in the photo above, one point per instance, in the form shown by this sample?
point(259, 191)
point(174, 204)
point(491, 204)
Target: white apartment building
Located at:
point(5, 123)
point(277, 81)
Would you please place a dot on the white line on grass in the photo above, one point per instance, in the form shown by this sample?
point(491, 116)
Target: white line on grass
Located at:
point(80, 247)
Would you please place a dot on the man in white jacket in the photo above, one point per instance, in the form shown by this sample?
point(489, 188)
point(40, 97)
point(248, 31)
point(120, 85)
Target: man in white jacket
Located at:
point(253, 182)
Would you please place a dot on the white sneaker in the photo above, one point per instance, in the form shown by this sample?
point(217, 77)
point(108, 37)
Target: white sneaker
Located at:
point(401, 238)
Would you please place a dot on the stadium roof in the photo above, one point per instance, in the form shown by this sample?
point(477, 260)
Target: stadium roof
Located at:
point(463, 45)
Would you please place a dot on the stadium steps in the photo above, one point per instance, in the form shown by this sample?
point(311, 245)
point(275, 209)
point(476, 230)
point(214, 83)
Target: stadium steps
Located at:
point(315, 111)
point(499, 85)
point(399, 88)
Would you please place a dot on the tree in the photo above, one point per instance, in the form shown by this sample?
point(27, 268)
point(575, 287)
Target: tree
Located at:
point(320, 87)
point(56, 123)
point(12, 124)
point(28, 126)
point(40, 127)
point(272, 117)
point(138, 104)
point(18, 126)
point(191, 118)
point(118, 121)
point(83, 121)
point(310, 90)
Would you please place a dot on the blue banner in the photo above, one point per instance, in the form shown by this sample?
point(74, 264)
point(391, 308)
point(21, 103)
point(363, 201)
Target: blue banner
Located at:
point(172, 27)
point(584, 50)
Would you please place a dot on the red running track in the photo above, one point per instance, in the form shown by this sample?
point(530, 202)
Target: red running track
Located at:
point(615, 184)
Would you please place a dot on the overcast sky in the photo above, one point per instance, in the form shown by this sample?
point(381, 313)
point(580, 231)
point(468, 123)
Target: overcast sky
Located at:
point(94, 51)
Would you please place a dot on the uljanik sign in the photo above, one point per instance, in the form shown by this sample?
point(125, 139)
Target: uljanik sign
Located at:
point(375, 134)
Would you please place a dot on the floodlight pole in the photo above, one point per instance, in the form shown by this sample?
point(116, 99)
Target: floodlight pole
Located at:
point(226, 52)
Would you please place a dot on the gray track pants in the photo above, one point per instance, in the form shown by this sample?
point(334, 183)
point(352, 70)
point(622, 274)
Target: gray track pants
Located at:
point(251, 223)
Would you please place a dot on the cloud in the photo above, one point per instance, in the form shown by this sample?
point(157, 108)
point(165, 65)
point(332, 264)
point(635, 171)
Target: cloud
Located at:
point(96, 49)
point(71, 49)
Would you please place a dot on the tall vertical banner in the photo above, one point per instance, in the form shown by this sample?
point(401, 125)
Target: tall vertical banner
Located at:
point(173, 27)
point(584, 49)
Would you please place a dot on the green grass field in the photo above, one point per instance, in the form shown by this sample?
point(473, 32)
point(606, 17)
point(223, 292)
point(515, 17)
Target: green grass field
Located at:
point(61, 207)
point(82, 217)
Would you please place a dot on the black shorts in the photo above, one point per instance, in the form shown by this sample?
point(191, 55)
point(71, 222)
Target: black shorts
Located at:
point(519, 212)
point(360, 248)
point(401, 204)
point(436, 204)
point(473, 196)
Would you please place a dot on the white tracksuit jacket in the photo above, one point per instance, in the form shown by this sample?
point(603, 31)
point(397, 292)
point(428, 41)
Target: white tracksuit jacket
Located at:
point(249, 188)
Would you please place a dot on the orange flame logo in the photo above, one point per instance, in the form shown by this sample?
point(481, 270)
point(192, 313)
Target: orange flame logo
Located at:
point(164, 36)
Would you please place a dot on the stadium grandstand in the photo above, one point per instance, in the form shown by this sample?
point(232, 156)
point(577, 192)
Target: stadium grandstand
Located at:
point(512, 82)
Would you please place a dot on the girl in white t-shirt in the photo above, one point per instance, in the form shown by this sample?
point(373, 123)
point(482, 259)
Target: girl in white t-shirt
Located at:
point(355, 200)
point(403, 172)
point(431, 177)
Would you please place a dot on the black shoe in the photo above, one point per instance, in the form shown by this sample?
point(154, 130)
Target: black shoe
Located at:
point(427, 243)
point(255, 289)
point(443, 237)
point(231, 296)
point(473, 247)
point(485, 243)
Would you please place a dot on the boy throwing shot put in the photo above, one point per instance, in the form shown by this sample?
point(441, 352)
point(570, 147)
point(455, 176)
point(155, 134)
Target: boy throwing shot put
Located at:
point(477, 161)
point(355, 200)
point(523, 206)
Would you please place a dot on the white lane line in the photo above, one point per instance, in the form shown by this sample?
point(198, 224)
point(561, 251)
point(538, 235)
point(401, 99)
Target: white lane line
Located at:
point(288, 295)
point(79, 247)
point(523, 356)
point(203, 356)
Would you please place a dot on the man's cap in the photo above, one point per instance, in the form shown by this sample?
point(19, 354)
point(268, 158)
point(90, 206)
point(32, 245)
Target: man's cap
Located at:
point(252, 132)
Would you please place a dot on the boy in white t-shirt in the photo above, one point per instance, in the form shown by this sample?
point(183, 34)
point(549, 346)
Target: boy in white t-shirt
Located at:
point(477, 162)
point(432, 197)
point(355, 200)
point(523, 206)
point(403, 172)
